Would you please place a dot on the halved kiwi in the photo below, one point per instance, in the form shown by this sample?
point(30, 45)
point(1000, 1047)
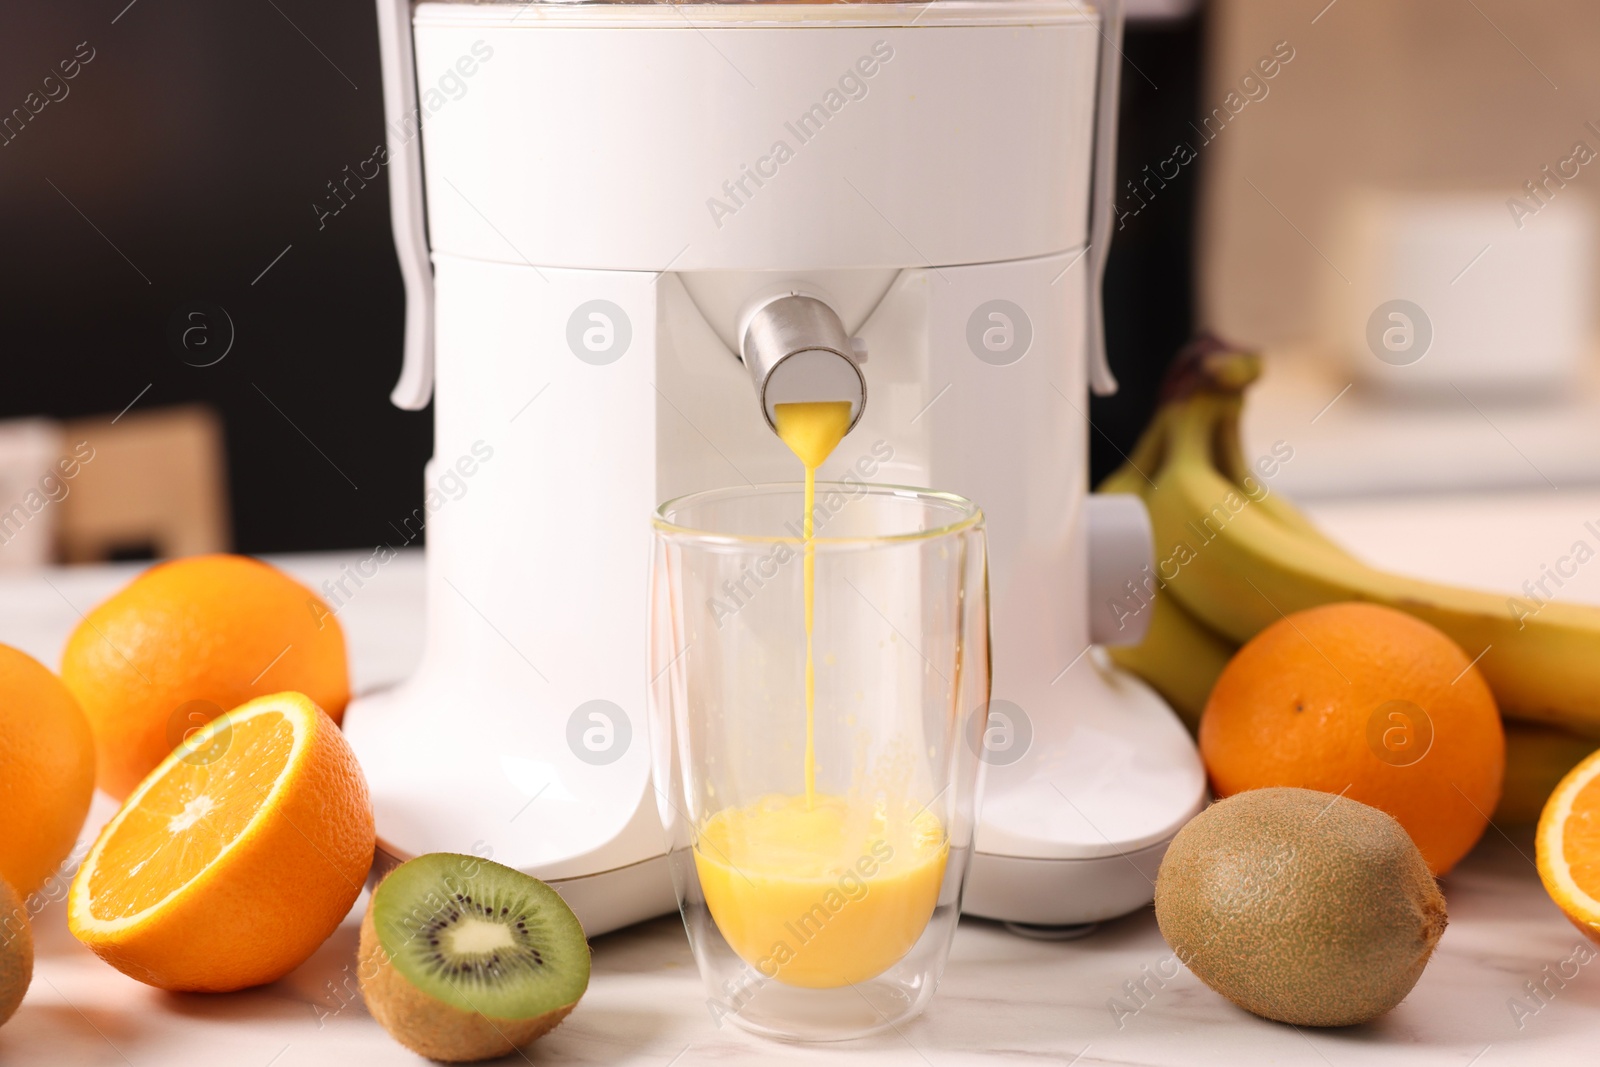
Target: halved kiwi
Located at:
point(464, 959)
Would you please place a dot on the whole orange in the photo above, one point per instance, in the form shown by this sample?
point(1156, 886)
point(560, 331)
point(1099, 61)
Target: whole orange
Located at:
point(1367, 702)
point(187, 640)
point(46, 770)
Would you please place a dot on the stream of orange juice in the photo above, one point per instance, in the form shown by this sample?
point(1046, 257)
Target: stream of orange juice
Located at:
point(819, 891)
point(812, 431)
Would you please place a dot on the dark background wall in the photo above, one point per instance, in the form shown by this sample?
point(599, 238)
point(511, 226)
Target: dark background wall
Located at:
point(179, 171)
point(195, 142)
point(1149, 289)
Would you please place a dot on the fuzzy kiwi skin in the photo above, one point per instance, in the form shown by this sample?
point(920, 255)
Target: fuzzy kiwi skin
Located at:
point(16, 951)
point(1300, 906)
point(427, 1025)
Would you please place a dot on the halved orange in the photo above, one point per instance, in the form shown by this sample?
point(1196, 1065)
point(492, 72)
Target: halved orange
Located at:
point(235, 858)
point(1568, 846)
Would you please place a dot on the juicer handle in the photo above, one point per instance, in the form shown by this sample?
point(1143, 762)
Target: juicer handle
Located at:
point(403, 119)
point(1101, 379)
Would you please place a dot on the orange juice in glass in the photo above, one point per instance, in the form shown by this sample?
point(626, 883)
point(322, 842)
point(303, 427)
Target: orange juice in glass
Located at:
point(817, 654)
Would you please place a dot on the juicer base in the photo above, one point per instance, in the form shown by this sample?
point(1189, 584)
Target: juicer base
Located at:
point(1073, 831)
point(1061, 893)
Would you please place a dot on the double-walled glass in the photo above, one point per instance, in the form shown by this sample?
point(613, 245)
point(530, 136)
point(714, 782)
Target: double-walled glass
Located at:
point(820, 889)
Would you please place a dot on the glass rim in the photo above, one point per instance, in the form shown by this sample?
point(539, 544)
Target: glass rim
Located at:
point(970, 515)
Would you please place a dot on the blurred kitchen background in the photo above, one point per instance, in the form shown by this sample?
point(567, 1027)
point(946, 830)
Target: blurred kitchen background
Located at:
point(1394, 201)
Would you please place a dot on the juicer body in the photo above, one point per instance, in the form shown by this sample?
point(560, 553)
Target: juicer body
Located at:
point(606, 189)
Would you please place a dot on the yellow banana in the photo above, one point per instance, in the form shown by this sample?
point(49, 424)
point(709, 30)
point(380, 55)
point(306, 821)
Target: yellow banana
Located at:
point(1181, 656)
point(1238, 570)
point(1538, 756)
point(1213, 367)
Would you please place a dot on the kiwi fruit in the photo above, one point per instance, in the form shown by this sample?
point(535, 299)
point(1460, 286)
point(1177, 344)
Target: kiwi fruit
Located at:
point(463, 959)
point(16, 951)
point(1300, 906)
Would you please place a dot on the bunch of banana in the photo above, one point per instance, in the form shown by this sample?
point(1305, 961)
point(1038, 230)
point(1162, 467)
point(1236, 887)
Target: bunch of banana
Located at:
point(1233, 556)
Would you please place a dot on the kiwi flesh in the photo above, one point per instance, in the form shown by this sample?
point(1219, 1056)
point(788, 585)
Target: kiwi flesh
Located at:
point(16, 951)
point(464, 959)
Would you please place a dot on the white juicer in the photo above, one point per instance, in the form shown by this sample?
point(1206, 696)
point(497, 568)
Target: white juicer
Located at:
point(626, 230)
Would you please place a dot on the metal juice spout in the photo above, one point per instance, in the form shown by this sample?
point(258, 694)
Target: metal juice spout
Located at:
point(798, 351)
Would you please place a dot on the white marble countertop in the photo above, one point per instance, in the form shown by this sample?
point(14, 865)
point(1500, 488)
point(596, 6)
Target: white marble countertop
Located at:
point(1003, 999)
